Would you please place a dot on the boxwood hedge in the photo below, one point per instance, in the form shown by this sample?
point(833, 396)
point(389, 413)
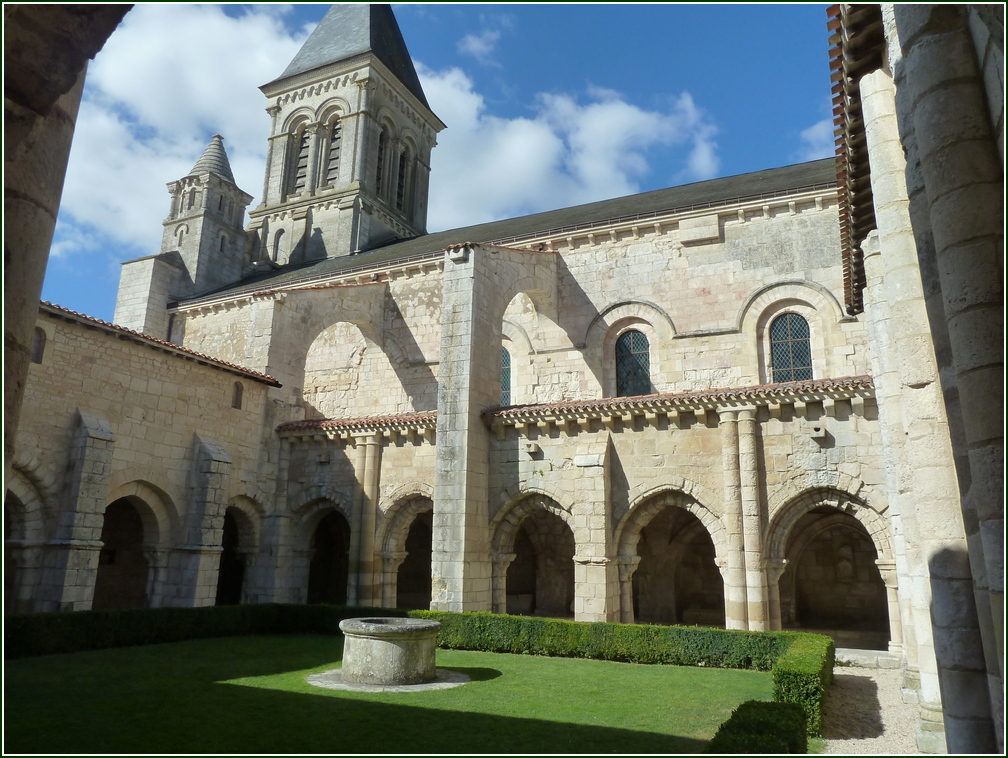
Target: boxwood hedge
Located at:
point(802, 664)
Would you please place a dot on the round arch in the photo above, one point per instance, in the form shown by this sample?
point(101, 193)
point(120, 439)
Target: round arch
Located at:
point(398, 519)
point(650, 503)
point(333, 107)
point(640, 315)
point(157, 511)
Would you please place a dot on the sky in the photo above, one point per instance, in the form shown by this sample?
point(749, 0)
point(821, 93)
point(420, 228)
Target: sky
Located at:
point(546, 106)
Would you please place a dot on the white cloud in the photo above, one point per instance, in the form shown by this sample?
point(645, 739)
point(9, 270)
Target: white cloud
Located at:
point(164, 83)
point(480, 46)
point(174, 75)
point(817, 141)
point(487, 167)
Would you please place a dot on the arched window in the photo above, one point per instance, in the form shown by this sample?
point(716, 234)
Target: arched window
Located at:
point(505, 398)
point(633, 364)
point(790, 352)
point(333, 156)
point(236, 395)
point(380, 170)
point(278, 242)
point(192, 199)
point(223, 242)
point(299, 170)
point(38, 345)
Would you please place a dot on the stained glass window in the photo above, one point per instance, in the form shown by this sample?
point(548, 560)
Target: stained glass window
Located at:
point(790, 351)
point(633, 365)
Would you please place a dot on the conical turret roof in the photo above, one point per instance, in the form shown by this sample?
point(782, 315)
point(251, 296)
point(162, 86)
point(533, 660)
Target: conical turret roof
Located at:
point(350, 29)
point(214, 159)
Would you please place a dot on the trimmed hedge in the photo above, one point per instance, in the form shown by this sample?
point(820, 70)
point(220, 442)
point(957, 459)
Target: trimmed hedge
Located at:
point(802, 664)
point(764, 728)
point(48, 633)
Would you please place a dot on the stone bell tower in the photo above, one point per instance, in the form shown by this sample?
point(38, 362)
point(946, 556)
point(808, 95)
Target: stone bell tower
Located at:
point(351, 135)
point(202, 247)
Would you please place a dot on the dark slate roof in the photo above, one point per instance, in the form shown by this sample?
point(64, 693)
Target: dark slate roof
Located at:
point(713, 192)
point(214, 159)
point(351, 29)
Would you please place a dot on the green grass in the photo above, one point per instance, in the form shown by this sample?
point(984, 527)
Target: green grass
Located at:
point(248, 695)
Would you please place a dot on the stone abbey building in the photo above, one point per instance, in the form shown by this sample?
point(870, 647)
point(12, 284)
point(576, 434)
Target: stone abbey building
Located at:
point(740, 403)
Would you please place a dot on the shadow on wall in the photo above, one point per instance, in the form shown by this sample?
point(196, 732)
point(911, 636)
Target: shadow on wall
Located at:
point(959, 653)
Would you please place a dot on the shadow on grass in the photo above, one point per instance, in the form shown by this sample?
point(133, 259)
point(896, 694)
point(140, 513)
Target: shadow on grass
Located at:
point(176, 699)
point(475, 673)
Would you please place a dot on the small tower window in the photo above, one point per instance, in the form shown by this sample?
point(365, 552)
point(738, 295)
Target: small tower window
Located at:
point(505, 398)
point(332, 159)
point(192, 199)
point(223, 241)
point(38, 345)
point(236, 395)
point(790, 349)
point(220, 203)
point(633, 364)
point(278, 243)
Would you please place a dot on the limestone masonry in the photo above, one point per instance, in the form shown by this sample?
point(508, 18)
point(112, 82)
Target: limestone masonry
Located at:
point(768, 401)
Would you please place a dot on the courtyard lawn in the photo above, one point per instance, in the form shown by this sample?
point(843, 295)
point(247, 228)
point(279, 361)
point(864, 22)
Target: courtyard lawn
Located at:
point(248, 695)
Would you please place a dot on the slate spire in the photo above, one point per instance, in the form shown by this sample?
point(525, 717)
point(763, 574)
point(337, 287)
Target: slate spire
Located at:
point(352, 29)
point(214, 159)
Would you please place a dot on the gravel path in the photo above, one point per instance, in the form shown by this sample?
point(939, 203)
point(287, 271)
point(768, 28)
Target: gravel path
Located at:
point(865, 714)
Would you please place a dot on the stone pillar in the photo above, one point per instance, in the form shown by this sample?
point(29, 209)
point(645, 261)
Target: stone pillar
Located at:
point(468, 382)
point(71, 561)
point(943, 101)
point(314, 148)
point(34, 170)
point(390, 577)
point(627, 566)
point(951, 610)
point(501, 562)
point(752, 522)
point(888, 571)
point(354, 578)
point(372, 466)
point(736, 611)
point(157, 570)
point(194, 566)
point(774, 570)
point(596, 581)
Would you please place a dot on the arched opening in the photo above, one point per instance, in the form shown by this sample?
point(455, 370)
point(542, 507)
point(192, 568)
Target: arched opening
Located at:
point(121, 581)
point(335, 136)
point(677, 580)
point(330, 560)
point(383, 139)
point(831, 583)
point(413, 582)
point(540, 579)
point(237, 394)
point(298, 176)
point(278, 246)
point(231, 575)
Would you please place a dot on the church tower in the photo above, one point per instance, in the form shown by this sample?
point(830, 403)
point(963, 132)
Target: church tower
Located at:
point(351, 134)
point(202, 247)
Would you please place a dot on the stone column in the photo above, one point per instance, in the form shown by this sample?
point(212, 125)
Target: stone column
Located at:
point(596, 580)
point(501, 562)
point(736, 611)
point(627, 567)
point(752, 522)
point(37, 146)
point(888, 571)
point(774, 571)
point(372, 467)
point(963, 179)
point(314, 148)
point(354, 578)
point(390, 577)
point(157, 568)
point(945, 603)
point(468, 382)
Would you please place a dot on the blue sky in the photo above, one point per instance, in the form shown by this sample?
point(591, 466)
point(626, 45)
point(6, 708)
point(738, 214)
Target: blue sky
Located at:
point(547, 105)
